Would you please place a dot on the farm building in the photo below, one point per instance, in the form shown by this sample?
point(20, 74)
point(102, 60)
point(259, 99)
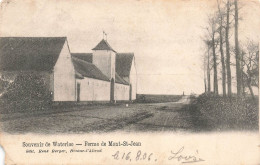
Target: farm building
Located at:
point(103, 75)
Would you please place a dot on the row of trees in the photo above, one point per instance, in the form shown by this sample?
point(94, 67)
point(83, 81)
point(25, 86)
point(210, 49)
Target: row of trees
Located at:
point(217, 39)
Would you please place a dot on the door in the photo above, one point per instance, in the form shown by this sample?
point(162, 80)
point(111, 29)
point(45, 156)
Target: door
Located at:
point(78, 92)
point(130, 93)
point(112, 90)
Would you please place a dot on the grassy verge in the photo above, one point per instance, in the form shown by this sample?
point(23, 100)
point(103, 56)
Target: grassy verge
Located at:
point(147, 98)
point(227, 114)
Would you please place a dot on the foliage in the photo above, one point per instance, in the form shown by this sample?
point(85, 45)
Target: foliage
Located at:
point(3, 85)
point(26, 93)
point(225, 113)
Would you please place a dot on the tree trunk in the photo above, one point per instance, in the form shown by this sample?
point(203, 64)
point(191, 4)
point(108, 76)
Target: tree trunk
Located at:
point(222, 59)
point(238, 69)
point(215, 66)
point(205, 79)
point(251, 91)
point(228, 54)
point(205, 84)
point(250, 87)
point(208, 72)
point(242, 76)
point(221, 51)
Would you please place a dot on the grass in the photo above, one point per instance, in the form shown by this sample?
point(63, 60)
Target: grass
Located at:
point(147, 98)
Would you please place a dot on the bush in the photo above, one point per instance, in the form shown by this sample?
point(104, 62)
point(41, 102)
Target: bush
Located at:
point(3, 85)
point(27, 92)
point(225, 113)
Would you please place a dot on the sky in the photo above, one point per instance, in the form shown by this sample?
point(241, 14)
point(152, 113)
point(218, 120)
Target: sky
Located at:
point(164, 35)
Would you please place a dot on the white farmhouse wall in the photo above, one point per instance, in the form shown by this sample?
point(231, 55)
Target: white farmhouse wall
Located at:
point(133, 79)
point(105, 61)
point(94, 90)
point(64, 77)
point(121, 92)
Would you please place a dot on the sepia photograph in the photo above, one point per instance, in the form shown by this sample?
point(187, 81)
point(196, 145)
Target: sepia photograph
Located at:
point(134, 67)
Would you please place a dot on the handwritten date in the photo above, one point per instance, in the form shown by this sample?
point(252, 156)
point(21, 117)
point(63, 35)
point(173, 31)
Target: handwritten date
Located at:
point(139, 156)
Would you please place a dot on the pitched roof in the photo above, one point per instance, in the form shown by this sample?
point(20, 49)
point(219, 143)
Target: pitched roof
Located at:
point(124, 63)
point(103, 45)
point(120, 80)
point(83, 56)
point(29, 53)
point(86, 69)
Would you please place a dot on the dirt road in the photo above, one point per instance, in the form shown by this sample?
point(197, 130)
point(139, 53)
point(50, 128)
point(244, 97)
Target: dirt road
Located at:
point(169, 116)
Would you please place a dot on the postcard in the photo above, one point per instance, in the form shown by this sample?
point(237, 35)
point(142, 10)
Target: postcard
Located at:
point(129, 82)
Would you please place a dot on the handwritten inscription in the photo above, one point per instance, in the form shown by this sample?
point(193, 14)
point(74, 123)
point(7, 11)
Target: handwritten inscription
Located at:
point(129, 156)
point(177, 155)
point(184, 158)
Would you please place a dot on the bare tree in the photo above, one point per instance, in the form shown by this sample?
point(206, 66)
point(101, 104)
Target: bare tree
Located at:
point(251, 63)
point(242, 74)
point(228, 49)
point(204, 70)
point(208, 63)
point(204, 58)
point(237, 53)
point(221, 15)
point(212, 30)
point(208, 66)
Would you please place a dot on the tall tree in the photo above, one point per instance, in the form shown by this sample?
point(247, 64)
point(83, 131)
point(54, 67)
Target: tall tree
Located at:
point(228, 50)
point(208, 66)
point(215, 65)
point(212, 34)
point(207, 60)
point(205, 71)
point(205, 77)
point(242, 74)
point(237, 53)
point(220, 31)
